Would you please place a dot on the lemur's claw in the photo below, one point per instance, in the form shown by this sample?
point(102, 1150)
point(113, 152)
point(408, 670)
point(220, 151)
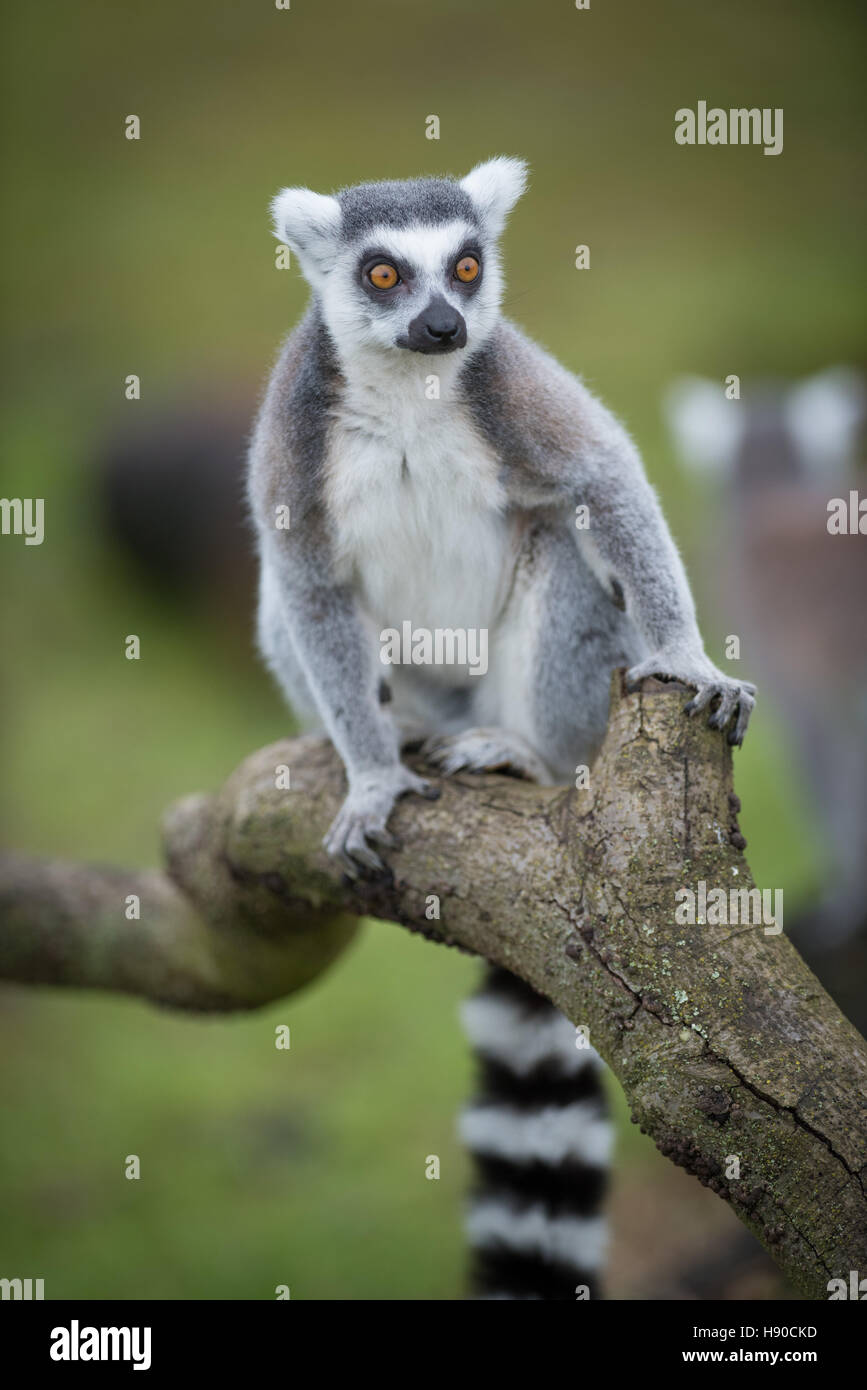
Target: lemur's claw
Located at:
point(485, 750)
point(384, 838)
point(361, 821)
point(746, 706)
point(347, 840)
point(730, 702)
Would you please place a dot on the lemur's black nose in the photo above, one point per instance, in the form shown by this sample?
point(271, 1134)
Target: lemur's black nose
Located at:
point(444, 329)
point(438, 328)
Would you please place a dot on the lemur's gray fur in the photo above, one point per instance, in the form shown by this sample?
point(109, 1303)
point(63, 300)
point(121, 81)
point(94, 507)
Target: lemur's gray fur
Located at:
point(451, 512)
point(432, 459)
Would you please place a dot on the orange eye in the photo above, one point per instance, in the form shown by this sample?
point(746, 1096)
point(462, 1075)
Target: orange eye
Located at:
point(383, 277)
point(467, 269)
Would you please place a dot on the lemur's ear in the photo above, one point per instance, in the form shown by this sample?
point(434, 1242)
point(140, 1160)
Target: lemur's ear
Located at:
point(707, 433)
point(826, 414)
point(495, 188)
point(310, 224)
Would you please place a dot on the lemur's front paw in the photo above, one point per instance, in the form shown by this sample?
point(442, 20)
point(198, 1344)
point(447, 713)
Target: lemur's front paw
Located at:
point(732, 700)
point(363, 817)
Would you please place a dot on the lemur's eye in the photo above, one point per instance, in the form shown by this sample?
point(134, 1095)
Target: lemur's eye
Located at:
point(383, 277)
point(467, 269)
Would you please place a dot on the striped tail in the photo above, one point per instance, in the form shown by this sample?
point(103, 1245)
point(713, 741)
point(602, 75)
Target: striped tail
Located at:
point(541, 1138)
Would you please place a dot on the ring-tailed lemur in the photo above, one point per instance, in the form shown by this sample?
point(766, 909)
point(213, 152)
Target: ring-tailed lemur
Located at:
point(434, 462)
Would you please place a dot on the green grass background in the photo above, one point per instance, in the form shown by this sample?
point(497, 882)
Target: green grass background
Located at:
point(306, 1167)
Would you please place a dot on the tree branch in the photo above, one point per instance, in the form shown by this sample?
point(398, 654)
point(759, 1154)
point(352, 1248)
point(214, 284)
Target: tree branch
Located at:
point(206, 939)
point(730, 1053)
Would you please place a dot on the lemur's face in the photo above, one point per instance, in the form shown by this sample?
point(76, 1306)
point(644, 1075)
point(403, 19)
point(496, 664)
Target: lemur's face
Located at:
point(405, 267)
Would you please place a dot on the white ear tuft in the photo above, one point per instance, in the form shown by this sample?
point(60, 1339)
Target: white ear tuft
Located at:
point(310, 223)
point(495, 188)
point(826, 414)
point(707, 429)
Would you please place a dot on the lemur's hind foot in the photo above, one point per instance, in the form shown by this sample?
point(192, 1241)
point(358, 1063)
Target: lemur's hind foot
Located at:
point(486, 750)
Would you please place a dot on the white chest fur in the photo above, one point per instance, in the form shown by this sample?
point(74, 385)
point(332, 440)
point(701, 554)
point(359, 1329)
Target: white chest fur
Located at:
point(417, 508)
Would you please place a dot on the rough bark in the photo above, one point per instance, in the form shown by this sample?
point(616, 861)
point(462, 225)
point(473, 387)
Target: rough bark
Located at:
point(726, 1046)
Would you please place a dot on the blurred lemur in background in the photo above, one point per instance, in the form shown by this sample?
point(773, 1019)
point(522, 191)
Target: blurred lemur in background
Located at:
point(435, 463)
point(774, 459)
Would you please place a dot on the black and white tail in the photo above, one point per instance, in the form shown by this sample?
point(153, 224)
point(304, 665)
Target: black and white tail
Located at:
point(540, 1136)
